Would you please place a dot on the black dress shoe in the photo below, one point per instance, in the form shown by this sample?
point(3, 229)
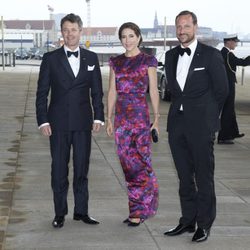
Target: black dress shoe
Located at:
point(58, 221)
point(86, 219)
point(180, 229)
point(225, 142)
point(201, 235)
point(239, 135)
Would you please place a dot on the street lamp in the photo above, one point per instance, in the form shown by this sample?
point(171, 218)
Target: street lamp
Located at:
point(21, 46)
point(47, 41)
point(3, 61)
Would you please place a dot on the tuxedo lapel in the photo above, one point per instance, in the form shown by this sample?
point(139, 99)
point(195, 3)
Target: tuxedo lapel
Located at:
point(195, 61)
point(64, 60)
point(83, 64)
point(174, 65)
point(175, 61)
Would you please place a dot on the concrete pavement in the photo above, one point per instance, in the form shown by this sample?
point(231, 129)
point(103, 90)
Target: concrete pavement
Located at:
point(26, 208)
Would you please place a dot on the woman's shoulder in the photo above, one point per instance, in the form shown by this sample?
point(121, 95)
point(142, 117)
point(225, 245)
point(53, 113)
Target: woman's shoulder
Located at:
point(116, 60)
point(150, 59)
point(117, 57)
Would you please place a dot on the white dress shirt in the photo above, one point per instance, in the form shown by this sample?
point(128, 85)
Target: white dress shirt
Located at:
point(183, 66)
point(73, 61)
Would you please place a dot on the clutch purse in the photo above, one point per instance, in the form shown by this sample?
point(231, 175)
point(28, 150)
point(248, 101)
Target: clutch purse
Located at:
point(154, 135)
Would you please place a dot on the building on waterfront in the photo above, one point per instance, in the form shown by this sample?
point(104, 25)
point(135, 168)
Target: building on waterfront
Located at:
point(157, 31)
point(101, 35)
point(29, 33)
point(42, 33)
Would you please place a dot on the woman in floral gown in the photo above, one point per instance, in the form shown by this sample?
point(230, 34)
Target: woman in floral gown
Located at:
point(131, 74)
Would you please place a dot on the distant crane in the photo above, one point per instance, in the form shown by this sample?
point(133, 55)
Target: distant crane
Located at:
point(87, 43)
point(88, 13)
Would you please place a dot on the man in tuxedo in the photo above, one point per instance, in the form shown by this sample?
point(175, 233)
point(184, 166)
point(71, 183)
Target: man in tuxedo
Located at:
point(229, 127)
point(72, 77)
point(198, 83)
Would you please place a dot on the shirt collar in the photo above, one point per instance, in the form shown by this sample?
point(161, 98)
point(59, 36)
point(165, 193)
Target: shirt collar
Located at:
point(192, 46)
point(67, 49)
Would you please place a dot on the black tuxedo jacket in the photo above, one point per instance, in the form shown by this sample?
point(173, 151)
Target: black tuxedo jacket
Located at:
point(205, 90)
point(74, 101)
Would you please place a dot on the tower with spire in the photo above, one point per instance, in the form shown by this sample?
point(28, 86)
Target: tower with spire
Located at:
point(156, 21)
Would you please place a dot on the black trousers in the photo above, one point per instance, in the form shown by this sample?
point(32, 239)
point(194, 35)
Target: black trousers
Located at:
point(229, 127)
point(60, 147)
point(194, 160)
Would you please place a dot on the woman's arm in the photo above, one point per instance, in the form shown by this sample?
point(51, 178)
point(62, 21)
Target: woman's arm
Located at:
point(154, 96)
point(111, 101)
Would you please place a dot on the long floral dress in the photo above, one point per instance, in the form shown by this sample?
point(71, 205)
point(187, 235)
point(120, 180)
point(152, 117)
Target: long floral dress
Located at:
point(132, 132)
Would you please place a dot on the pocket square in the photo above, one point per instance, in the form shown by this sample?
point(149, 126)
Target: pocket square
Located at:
point(91, 68)
point(197, 69)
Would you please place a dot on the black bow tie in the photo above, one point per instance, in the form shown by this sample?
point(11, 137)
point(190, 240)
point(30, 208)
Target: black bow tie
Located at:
point(69, 53)
point(183, 50)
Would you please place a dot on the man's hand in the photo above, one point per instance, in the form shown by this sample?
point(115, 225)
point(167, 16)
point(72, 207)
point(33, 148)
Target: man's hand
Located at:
point(46, 130)
point(96, 127)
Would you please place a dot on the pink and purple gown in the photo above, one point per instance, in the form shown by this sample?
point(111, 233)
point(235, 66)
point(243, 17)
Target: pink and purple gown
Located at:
point(132, 132)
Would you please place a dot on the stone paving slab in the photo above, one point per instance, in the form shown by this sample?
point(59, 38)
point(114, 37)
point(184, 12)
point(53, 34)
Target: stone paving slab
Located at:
point(26, 208)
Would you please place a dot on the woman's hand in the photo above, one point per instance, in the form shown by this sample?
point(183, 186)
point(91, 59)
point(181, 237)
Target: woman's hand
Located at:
point(109, 128)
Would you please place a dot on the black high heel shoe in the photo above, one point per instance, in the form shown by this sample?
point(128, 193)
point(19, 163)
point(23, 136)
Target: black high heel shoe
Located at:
point(126, 220)
point(133, 223)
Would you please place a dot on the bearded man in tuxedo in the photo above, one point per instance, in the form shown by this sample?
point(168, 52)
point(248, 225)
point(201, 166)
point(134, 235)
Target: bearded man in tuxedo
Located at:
point(198, 83)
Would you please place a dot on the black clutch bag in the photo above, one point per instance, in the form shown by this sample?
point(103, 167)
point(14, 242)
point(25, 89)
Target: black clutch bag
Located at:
point(154, 135)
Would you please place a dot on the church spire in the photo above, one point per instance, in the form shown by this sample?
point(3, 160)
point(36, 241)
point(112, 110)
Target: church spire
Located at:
point(156, 21)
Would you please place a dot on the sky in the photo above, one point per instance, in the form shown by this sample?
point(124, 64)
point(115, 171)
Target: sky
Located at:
point(220, 15)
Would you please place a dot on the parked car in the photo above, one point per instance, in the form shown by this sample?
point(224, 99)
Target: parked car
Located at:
point(161, 78)
point(32, 52)
point(39, 54)
point(21, 53)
